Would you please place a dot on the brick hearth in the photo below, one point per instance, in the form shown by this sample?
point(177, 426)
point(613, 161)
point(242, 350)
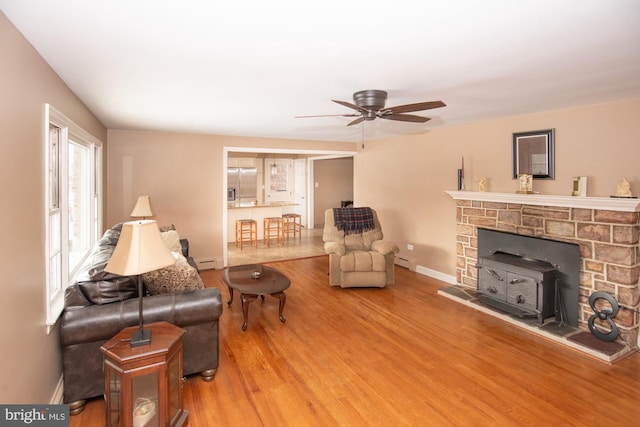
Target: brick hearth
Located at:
point(608, 239)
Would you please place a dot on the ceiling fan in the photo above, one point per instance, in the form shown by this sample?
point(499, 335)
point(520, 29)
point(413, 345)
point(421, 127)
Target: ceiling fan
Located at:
point(369, 105)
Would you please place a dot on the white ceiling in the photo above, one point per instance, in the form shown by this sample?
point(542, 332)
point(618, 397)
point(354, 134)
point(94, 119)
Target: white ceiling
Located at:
point(248, 67)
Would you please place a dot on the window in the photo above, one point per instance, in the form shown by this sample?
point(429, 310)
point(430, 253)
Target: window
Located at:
point(80, 195)
point(74, 203)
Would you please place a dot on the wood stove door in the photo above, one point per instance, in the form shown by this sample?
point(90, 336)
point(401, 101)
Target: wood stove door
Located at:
point(522, 291)
point(492, 282)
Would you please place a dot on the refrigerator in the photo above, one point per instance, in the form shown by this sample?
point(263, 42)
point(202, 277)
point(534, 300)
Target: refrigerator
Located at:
point(242, 186)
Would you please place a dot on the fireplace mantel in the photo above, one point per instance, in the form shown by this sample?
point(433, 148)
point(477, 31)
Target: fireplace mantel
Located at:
point(601, 203)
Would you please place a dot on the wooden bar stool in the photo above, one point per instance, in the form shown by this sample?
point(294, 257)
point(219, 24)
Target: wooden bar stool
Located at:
point(273, 229)
point(292, 224)
point(246, 231)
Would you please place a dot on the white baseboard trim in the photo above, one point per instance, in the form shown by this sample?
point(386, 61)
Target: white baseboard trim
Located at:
point(58, 393)
point(447, 278)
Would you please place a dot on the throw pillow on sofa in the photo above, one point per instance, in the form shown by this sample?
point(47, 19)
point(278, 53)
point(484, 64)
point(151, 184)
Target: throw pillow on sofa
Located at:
point(164, 228)
point(99, 286)
point(171, 240)
point(179, 277)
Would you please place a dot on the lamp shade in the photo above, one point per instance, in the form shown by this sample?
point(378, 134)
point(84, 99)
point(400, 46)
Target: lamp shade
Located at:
point(142, 207)
point(139, 250)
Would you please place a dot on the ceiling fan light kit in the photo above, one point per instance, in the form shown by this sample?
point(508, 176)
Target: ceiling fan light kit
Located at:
point(370, 104)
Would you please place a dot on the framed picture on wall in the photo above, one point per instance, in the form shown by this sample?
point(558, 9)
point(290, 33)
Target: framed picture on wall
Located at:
point(533, 154)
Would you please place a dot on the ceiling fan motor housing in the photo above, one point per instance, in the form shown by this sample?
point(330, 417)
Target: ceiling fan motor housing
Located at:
point(370, 99)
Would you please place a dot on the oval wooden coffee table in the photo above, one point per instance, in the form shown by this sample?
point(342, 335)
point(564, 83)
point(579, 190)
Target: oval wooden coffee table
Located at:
point(253, 280)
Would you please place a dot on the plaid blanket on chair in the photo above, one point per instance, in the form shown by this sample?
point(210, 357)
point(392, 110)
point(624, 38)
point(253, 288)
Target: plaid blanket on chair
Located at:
point(353, 220)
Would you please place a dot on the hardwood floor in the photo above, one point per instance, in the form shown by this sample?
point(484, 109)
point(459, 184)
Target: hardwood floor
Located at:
point(402, 355)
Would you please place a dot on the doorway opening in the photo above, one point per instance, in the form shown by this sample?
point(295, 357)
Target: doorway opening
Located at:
point(286, 183)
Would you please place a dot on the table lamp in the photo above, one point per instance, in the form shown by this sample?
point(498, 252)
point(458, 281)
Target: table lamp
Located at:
point(139, 250)
point(142, 208)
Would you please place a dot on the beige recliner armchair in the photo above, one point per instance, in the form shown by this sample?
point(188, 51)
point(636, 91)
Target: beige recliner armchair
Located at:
point(358, 257)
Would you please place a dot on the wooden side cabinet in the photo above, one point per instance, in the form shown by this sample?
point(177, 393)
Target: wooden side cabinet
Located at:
point(143, 385)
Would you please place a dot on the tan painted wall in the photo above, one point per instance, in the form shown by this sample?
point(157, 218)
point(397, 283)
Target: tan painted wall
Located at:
point(183, 174)
point(31, 362)
point(405, 178)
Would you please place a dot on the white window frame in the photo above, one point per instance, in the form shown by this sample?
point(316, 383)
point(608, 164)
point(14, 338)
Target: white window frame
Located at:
point(56, 217)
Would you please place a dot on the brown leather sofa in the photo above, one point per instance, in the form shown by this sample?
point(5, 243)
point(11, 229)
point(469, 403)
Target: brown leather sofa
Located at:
point(100, 304)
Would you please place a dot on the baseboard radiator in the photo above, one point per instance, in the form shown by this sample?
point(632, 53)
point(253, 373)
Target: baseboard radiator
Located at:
point(406, 263)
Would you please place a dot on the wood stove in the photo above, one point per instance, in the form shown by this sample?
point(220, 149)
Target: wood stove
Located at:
point(528, 276)
point(519, 285)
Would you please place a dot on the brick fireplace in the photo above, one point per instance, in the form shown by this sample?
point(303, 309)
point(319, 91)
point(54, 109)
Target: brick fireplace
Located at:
point(607, 231)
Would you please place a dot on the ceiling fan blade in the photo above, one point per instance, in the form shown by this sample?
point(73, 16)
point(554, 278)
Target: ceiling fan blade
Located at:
point(405, 118)
point(350, 105)
point(356, 121)
point(328, 115)
point(419, 106)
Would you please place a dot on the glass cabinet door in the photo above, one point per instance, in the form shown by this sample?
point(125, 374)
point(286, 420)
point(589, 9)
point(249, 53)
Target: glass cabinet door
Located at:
point(144, 398)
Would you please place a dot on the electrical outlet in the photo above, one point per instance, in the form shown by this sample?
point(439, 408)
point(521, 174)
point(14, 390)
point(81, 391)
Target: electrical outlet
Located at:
point(410, 246)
